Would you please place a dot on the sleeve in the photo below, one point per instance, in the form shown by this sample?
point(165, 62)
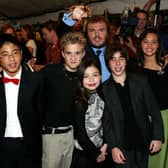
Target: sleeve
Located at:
point(80, 131)
point(108, 131)
point(154, 112)
point(67, 20)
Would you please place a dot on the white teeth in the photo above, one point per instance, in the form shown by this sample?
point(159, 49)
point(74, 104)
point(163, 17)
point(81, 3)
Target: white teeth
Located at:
point(117, 69)
point(12, 65)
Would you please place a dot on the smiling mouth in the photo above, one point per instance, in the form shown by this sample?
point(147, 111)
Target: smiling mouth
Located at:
point(91, 85)
point(12, 65)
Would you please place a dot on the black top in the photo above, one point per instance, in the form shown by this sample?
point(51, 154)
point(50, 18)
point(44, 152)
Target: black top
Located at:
point(60, 90)
point(132, 137)
point(158, 81)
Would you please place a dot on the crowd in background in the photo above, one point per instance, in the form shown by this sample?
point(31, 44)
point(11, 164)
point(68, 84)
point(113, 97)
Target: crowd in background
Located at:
point(97, 57)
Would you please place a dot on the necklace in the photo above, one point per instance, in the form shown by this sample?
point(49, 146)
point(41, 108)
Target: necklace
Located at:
point(69, 75)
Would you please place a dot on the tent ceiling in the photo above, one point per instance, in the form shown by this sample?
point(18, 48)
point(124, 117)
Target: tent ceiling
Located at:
point(10, 9)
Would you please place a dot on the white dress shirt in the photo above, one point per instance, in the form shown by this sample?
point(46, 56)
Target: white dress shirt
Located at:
point(13, 127)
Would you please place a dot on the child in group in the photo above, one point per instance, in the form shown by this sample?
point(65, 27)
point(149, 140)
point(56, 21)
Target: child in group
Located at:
point(128, 131)
point(156, 70)
point(20, 109)
point(90, 149)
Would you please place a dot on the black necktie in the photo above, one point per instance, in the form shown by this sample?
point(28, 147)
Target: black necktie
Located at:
point(98, 52)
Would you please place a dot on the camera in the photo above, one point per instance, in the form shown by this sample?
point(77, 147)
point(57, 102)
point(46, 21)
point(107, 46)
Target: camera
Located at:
point(128, 23)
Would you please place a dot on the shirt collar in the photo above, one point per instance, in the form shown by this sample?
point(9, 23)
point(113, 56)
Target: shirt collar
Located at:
point(102, 49)
point(18, 75)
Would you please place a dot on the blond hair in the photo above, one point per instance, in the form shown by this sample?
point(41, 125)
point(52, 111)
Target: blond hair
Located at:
point(73, 38)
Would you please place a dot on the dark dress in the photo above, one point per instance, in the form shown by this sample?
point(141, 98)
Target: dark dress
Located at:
point(159, 83)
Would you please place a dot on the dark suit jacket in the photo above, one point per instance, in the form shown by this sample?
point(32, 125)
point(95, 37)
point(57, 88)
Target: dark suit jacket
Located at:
point(143, 104)
point(29, 110)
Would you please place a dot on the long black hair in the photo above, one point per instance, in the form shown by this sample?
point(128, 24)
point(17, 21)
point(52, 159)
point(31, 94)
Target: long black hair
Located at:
point(83, 93)
point(159, 53)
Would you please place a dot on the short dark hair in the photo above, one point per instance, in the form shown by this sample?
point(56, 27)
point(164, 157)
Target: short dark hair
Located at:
point(96, 19)
point(7, 38)
point(50, 25)
point(141, 11)
point(112, 50)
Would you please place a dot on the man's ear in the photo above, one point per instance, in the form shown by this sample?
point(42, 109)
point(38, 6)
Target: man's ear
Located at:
point(62, 53)
point(84, 52)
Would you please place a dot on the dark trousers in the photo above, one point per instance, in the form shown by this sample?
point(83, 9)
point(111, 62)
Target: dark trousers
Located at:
point(81, 160)
point(13, 154)
point(135, 159)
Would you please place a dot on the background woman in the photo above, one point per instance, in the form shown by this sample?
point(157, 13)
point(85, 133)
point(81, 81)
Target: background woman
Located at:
point(156, 70)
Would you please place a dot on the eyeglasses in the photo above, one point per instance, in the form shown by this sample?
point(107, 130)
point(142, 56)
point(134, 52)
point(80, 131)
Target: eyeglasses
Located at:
point(14, 53)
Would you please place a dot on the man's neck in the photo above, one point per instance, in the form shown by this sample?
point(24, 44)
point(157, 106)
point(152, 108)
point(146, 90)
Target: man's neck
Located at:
point(120, 79)
point(67, 68)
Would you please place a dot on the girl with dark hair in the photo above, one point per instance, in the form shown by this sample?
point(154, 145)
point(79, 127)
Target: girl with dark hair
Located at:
point(153, 66)
point(90, 149)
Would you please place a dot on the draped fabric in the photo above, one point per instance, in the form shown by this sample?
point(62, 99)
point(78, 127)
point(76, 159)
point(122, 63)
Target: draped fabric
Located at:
point(93, 119)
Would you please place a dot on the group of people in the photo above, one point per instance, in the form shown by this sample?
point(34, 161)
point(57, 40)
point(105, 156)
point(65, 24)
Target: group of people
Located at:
point(89, 110)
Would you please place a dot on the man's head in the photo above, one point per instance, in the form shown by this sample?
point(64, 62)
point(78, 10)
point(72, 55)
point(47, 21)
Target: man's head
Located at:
point(142, 17)
point(49, 33)
point(7, 29)
point(116, 59)
point(73, 50)
point(97, 30)
point(10, 54)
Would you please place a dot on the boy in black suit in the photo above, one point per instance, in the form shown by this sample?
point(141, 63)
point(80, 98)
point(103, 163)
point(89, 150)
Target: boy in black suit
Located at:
point(129, 133)
point(20, 125)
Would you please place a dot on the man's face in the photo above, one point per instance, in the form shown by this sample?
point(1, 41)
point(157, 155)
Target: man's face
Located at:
point(142, 20)
point(47, 35)
point(73, 54)
point(97, 33)
point(10, 58)
point(117, 64)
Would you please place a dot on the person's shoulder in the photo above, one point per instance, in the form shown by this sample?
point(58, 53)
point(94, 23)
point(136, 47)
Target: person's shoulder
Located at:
point(138, 77)
point(107, 82)
point(52, 67)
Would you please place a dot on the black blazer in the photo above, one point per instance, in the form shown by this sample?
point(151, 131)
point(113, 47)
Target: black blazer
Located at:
point(143, 104)
point(29, 110)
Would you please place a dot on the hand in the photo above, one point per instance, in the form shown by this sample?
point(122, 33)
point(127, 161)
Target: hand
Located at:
point(117, 156)
point(155, 146)
point(129, 43)
point(80, 11)
point(165, 59)
point(103, 149)
point(100, 158)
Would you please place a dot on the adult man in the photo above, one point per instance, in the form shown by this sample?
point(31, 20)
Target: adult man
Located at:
point(60, 90)
point(97, 30)
point(52, 52)
point(142, 18)
point(20, 109)
point(129, 132)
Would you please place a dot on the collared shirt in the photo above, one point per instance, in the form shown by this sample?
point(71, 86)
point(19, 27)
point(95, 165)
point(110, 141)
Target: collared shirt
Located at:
point(105, 71)
point(13, 127)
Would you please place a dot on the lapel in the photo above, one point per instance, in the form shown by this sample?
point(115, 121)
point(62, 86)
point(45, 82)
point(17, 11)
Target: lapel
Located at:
point(23, 88)
point(2, 106)
point(113, 99)
point(134, 90)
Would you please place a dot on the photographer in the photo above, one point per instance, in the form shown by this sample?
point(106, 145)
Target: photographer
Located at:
point(131, 29)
